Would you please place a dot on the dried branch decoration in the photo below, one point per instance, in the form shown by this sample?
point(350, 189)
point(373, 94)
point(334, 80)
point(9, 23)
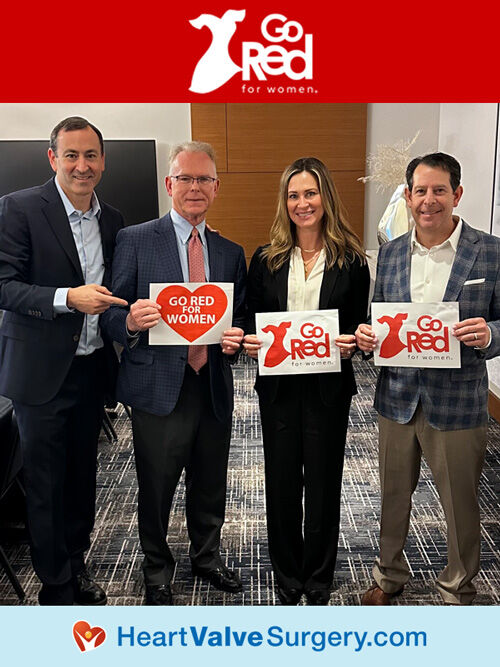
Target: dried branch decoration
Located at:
point(387, 166)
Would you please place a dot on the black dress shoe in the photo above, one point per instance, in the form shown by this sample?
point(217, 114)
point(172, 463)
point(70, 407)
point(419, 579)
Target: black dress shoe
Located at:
point(86, 591)
point(60, 595)
point(289, 596)
point(220, 578)
point(319, 596)
point(158, 595)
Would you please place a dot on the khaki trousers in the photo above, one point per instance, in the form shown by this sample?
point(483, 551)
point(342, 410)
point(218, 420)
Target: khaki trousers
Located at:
point(456, 460)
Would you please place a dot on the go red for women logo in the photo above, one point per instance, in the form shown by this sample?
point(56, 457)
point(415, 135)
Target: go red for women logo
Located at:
point(301, 342)
point(191, 313)
point(281, 49)
point(412, 334)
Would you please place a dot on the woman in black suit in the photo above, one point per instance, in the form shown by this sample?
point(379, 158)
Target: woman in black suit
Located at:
point(314, 261)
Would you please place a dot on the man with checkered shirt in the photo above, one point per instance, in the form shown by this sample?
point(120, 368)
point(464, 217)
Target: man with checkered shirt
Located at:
point(438, 413)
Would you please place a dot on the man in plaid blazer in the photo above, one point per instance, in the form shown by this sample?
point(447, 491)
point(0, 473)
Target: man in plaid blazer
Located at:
point(440, 413)
point(181, 413)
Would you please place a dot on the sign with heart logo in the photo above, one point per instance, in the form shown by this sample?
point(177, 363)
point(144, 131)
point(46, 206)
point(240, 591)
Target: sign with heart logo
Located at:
point(87, 638)
point(191, 313)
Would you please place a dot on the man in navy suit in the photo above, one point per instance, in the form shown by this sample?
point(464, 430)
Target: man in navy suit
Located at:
point(56, 246)
point(438, 413)
point(181, 410)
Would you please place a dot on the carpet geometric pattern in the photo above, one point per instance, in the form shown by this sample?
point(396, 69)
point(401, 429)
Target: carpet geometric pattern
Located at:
point(115, 553)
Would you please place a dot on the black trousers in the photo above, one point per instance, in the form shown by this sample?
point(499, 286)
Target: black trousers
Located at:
point(59, 445)
point(304, 443)
point(189, 438)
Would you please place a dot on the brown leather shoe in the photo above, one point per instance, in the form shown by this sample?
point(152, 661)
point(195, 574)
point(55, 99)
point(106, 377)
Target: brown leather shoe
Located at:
point(375, 596)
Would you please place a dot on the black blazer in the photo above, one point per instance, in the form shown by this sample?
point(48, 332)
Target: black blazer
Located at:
point(37, 255)
point(345, 289)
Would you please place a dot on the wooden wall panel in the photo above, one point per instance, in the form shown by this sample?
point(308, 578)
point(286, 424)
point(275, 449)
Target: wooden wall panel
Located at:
point(268, 137)
point(245, 206)
point(255, 142)
point(208, 123)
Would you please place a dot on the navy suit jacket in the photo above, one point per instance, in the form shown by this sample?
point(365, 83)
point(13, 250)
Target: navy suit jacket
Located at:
point(345, 289)
point(455, 398)
point(37, 255)
point(150, 377)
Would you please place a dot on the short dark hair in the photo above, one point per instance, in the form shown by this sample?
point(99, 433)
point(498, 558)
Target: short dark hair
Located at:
point(70, 125)
point(439, 161)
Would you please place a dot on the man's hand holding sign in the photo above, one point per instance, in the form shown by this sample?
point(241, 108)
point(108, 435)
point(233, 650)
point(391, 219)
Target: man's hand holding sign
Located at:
point(187, 314)
point(414, 335)
point(472, 332)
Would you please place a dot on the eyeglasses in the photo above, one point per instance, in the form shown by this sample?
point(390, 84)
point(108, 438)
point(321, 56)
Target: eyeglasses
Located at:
point(203, 181)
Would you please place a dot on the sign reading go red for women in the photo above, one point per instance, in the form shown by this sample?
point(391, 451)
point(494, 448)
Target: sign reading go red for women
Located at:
point(416, 334)
point(191, 313)
point(299, 342)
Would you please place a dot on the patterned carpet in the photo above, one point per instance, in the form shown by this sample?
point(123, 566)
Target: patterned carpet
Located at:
point(115, 552)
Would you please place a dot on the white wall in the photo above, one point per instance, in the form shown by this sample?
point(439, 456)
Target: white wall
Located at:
point(388, 124)
point(167, 123)
point(468, 132)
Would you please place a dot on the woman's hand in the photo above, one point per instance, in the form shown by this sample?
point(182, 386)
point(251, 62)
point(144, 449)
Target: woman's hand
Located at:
point(252, 345)
point(347, 345)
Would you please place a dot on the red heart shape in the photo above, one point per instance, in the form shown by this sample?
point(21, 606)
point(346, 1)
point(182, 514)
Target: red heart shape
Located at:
point(87, 638)
point(192, 314)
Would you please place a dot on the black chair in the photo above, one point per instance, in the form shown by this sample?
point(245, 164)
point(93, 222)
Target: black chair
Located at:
point(10, 466)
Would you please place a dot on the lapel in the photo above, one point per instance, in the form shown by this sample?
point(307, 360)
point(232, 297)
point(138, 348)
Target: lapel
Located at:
point(403, 269)
point(465, 257)
point(106, 237)
point(53, 209)
point(327, 286)
point(281, 280)
point(215, 257)
point(167, 250)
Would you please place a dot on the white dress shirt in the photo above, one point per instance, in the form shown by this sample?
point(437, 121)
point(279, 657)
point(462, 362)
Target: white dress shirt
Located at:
point(431, 267)
point(304, 294)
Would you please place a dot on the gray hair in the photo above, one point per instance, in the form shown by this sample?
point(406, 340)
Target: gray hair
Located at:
point(191, 147)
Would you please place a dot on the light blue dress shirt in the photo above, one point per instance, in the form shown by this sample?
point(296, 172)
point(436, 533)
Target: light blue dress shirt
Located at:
point(87, 235)
point(183, 230)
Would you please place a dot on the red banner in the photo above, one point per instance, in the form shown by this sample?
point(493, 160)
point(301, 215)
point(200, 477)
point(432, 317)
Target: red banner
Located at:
point(250, 52)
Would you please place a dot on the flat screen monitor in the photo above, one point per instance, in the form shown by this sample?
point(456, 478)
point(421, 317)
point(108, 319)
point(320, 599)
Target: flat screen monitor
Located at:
point(129, 182)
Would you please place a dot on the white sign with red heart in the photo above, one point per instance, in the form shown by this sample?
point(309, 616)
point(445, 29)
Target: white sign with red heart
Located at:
point(191, 313)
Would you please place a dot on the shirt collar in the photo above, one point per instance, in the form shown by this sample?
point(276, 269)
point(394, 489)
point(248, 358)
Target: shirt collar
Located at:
point(95, 207)
point(453, 239)
point(183, 227)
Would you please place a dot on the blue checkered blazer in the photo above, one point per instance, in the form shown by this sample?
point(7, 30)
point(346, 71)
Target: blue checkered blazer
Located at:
point(150, 377)
point(451, 398)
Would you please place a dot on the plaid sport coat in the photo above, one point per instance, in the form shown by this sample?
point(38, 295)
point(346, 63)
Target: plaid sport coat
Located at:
point(151, 376)
point(455, 398)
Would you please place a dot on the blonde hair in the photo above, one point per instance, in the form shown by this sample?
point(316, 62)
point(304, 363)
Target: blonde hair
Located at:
point(342, 244)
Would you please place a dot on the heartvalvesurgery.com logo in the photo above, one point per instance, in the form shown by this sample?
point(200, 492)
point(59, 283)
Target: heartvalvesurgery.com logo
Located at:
point(286, 51)
point(87, 638)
